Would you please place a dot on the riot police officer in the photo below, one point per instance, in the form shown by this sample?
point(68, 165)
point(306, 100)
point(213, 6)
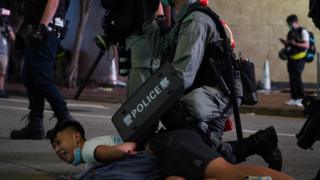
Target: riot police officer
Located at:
point(185, 47)
point(43, 20)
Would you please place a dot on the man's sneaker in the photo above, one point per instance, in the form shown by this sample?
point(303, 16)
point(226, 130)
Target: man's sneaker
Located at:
point(265, 144)
point(294, 102)
point(318, 176)
point(28, 132)
point(291, 102)
point(299, 103)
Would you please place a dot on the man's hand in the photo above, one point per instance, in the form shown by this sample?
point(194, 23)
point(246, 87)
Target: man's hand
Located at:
point(37, 35)
point(292, 43)
point(128, 148)
point(283, 41)
point(107, 154)
point(287, 42)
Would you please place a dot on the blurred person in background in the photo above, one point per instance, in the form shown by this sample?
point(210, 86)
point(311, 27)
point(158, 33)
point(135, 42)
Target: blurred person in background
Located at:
point(6, 35)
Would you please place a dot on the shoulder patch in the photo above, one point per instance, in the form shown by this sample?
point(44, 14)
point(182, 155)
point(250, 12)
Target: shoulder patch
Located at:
point(188, 18)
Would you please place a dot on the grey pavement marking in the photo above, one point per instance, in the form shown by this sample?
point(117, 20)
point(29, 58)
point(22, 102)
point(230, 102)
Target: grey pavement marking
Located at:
point(109, 117)
point(51, 112)
point(68, 104)
point(17, 165)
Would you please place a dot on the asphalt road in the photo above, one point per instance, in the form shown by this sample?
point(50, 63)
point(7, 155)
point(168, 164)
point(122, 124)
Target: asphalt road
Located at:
point(34, 159)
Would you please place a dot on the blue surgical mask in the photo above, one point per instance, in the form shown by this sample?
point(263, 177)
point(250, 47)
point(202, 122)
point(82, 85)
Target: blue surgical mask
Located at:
point(77, 156)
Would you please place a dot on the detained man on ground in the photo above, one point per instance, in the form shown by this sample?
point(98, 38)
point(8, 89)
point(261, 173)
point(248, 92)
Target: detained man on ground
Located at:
point(170, 155)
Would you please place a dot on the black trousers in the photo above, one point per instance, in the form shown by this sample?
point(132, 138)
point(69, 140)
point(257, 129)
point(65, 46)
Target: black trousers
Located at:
point(295, 69)
point(182, 153)
point(38, 78)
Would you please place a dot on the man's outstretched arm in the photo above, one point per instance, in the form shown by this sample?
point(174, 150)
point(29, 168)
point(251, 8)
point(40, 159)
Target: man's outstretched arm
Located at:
point(107, 154)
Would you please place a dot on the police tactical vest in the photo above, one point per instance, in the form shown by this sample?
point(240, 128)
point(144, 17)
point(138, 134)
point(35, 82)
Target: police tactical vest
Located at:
point(219, 67)
point(213, 70)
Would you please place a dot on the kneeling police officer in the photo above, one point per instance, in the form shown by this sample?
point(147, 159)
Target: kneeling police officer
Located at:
point(185, 46)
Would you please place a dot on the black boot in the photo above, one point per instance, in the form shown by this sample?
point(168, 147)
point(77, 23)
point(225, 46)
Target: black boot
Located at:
point(318, 176)
point(33, 130)
point(265, 144)
point(64, 116)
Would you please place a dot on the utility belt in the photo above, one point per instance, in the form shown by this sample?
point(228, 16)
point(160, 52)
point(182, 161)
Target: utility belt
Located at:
point(125, 63)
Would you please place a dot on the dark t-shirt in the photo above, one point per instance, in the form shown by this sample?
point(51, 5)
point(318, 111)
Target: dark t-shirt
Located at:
point(33, 11)
point(296, 35)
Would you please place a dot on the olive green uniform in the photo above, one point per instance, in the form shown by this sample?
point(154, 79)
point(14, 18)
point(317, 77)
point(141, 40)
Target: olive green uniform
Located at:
point(141, 58)
point(184, 45)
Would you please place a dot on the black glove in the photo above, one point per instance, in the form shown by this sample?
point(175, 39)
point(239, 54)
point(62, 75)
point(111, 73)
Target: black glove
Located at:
point(150, 7)
point(37, 35)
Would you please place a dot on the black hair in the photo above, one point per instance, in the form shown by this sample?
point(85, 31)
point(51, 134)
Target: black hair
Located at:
point(66, 124)
point(292, 18)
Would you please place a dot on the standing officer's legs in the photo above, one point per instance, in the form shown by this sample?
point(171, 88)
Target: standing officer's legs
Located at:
point(38, 74)
point(34, 128)
point(44, 77)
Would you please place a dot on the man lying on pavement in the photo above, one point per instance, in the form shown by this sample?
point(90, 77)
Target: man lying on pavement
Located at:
point(178, 154)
